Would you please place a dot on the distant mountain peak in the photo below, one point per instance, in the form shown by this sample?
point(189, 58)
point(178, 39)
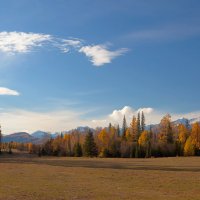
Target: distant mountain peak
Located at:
point(40, 134)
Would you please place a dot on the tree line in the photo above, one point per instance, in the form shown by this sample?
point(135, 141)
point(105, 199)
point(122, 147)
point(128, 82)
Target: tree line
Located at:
point(130, 141)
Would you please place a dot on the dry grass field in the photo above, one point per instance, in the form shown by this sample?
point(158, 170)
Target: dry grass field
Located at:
point(25, 177)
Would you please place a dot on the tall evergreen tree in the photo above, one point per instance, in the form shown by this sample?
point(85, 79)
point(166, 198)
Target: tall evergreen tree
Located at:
point(77, 150)
point(118, 131)
point(124, 128)
point(138, 132)
point(90, 148)
point(170, 134)
point(142, 122)
point(138, 126)
point(109, 128)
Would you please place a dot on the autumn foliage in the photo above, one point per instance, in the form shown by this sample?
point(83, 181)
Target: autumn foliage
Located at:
point(134, 140)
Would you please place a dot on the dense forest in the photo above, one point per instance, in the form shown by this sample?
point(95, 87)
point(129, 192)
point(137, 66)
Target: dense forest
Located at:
point(134, 141)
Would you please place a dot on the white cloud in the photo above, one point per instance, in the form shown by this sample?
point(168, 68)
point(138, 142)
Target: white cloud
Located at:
point(17, 120)
point(152, 116)
point(146, 110)
point(72, 42)
point(7, 91)
point(100, 55)
point(66, 44)
point(116, 116)
point(21, 42)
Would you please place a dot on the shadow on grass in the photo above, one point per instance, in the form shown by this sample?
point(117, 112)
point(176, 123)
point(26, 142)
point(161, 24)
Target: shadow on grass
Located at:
point(93, 163)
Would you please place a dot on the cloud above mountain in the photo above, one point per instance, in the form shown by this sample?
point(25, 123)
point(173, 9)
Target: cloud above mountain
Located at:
point(24, 42)
point(152, 116)
point(66, 119)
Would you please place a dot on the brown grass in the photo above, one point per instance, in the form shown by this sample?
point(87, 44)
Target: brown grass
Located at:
point(50, 178)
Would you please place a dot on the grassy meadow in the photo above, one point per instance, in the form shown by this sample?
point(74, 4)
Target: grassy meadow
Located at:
point(26, 177)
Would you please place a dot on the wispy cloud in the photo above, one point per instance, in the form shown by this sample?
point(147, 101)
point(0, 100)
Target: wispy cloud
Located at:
point(66, 44)
point(72, 42)
point(167, 32)
point(22, 42)
point(7, 91)
point(100, 55)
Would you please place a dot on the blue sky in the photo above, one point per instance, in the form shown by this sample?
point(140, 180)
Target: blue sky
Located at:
point(88, 62)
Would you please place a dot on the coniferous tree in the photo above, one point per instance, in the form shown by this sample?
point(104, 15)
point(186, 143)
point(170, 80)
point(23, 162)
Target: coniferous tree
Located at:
point(124, 128)
point(142, 122)
point(138, 126)
point(77, 150)
point(109, 128)
point(169, 134)
point(138, 132)
point(90, 148)
point(118, 131)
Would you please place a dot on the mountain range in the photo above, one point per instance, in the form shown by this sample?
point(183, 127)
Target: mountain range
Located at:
point(40, 137)
point(37, 137)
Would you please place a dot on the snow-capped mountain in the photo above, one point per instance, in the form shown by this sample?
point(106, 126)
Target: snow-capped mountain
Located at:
point(186, 121)
point(41, 134)
point(181, 121)
point(193, 120)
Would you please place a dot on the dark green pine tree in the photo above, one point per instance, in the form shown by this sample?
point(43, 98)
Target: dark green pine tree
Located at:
point(142, 122)
point(90, 148)
point(138, 132)
point(78, 150)
point(169, 133)
point(118, 131)
point(138, 126)
point(109, 127)
point(124, 128)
